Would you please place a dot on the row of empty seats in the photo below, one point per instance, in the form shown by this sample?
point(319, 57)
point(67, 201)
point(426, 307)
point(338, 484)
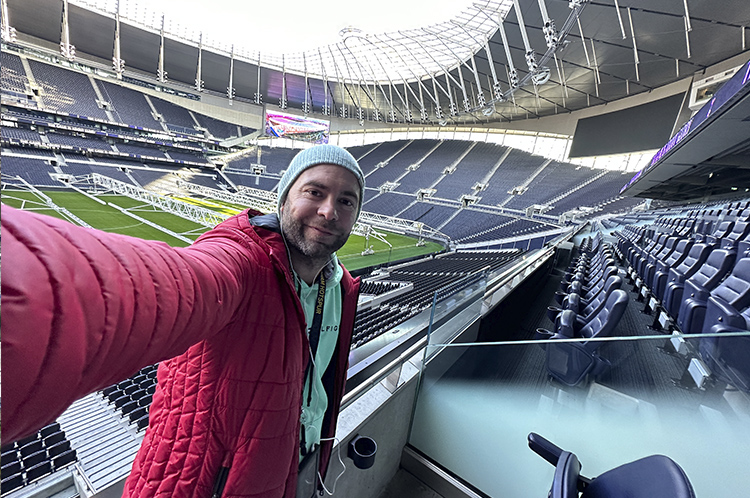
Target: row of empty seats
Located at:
point(87, 142)
point(133, 396)
point(592, 305)
point(64, 90)
point(34, 457)
point(431, 278)
point(694, 275)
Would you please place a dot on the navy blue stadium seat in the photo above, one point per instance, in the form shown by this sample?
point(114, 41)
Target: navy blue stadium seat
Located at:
point(49, 429)
point(649, 477)
point(708, 276)
point(9, 455)
point(722, 230)
point(138, 413)
point(142, 422)
point(735, 290)
point(34, 459)
point(740, 230)
point(727, 357)
point(31, 447)
point(573, 362)
point(685, 269)
point(54, 438)
point(584, 310)
point(661, 265)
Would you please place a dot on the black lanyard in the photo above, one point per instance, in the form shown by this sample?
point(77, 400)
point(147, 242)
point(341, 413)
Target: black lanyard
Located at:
point(314, 337)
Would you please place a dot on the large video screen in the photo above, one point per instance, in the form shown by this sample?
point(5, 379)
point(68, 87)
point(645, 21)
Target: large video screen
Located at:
point(643, 127)
point(280, 124)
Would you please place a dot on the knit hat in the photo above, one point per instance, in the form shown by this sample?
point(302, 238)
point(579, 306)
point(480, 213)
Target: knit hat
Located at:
point(313, 156)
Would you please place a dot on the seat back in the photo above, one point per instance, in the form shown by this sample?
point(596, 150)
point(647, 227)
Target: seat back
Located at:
point(694, 260)
point(713, 270)
point(666, 251)
point(653, 476)
point(724, 229)
point(613, 283)
point(605, 321)
point(679, 254)
point(735, 289)
point(739, 232)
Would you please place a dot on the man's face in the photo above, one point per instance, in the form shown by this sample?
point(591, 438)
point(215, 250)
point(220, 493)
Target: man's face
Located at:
point(320, 210)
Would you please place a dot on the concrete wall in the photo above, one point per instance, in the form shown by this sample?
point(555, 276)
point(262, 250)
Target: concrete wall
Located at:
point(386, 418)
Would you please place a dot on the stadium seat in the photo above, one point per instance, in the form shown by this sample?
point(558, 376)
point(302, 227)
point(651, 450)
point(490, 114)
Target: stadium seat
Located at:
point(740, 230)
point(10, 469)
point(11, 483)
point(9, 455)
point(54, 438)
point(138, 413)
point(31, 447)
point(142, 422)
point(585, 287)
point(727, 358)
point(34, 459)
point(662, 264)
point(696, 256)
point(572, 362)
point(708, 276)
point(58, 449)
point(584, 311)
point(49, 429)
point(649, 477)
point(122, 400)
point(735, 290)
point(659, 253)
point(38, 471)
point(128, 407)
point(722, 230)
point(64, 459)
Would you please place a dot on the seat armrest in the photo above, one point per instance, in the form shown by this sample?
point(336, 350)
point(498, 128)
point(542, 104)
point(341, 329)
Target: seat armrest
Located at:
point(545, 449)
point(566, 323)
point(695, 292)
point(675, 276)
point(721, 314)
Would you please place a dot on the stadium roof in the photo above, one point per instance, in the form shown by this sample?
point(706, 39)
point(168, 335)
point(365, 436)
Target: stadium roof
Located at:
point(565, 55)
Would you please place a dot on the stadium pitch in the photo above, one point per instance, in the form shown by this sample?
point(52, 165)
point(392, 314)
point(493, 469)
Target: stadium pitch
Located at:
point(110, 219)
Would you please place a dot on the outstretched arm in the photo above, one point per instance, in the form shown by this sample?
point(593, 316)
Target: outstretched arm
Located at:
point(83, 309)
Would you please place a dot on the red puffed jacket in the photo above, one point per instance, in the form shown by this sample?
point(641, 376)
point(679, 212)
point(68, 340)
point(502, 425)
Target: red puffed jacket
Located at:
point(83, 309)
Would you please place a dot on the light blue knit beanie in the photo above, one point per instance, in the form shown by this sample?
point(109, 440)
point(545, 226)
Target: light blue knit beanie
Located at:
point(319, 154)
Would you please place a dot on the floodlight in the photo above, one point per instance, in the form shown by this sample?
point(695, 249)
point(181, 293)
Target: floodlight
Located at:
point(541, 76)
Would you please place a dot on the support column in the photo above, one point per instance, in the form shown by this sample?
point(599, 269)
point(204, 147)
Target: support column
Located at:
point(66, 49)
point(161, 74)
point(199, 68)
point(230, 88)
point(117, 63)
point(8, 32)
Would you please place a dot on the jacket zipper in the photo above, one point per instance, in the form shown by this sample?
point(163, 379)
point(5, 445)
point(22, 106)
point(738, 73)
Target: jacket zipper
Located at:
point(221, 481)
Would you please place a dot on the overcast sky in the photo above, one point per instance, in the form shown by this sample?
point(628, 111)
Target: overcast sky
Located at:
point(288, 26)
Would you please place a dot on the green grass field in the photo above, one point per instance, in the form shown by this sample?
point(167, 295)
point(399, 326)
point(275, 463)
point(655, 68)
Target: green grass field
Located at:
point(109, 219)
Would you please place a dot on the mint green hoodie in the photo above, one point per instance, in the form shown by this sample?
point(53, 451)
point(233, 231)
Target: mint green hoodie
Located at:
point(313, 413)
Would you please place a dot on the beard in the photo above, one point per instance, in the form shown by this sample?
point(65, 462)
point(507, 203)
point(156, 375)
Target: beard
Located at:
point(315, 251)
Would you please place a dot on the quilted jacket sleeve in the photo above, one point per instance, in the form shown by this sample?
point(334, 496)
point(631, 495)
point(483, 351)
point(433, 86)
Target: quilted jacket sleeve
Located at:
point(82, 309)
